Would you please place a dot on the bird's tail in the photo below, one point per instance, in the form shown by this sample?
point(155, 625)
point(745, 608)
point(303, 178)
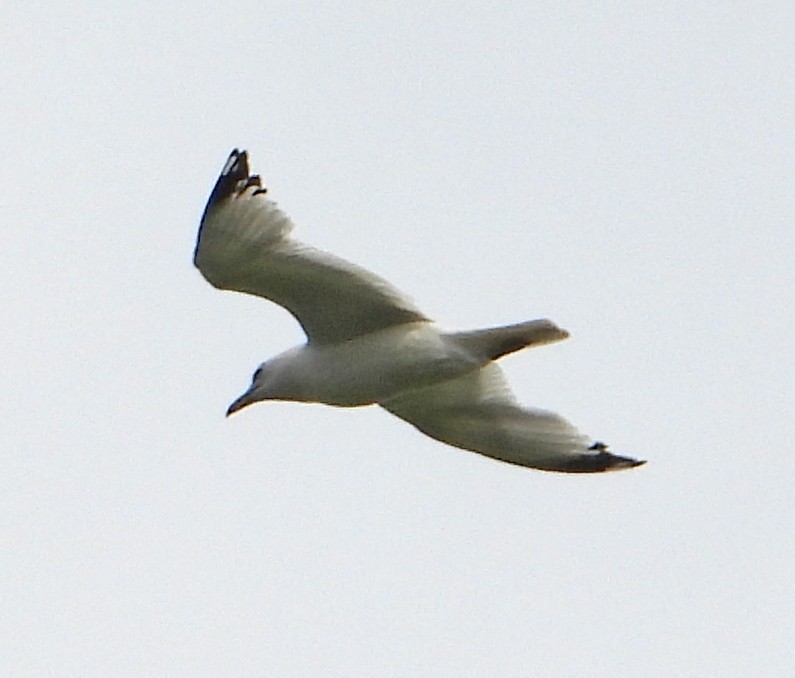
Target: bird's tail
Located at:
point(495, 342)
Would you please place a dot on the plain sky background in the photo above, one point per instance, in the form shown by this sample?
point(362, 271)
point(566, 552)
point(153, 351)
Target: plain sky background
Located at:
point(625, 169)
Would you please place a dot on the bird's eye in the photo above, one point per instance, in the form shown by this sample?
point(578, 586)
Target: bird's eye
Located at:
point(256, 374)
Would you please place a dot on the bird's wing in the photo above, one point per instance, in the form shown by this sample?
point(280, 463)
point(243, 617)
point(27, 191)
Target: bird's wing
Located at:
point(244, 244)
point(478, 412)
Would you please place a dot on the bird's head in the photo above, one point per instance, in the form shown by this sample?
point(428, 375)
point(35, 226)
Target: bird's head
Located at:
point(280, 378)
point(260, 389)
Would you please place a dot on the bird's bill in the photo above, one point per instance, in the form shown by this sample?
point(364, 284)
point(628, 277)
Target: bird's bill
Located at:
point(240, 403)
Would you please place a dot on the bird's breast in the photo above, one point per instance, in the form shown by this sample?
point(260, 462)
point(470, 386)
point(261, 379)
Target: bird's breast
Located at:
point(381, 365)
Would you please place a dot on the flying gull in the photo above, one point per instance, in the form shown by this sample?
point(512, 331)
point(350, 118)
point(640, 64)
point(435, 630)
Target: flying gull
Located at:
point(368, 344)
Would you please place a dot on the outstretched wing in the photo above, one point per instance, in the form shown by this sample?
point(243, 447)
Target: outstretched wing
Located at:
point(478, 412)
point(244, 244)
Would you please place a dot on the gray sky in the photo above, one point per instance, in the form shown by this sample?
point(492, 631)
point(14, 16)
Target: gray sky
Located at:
point(626, 171)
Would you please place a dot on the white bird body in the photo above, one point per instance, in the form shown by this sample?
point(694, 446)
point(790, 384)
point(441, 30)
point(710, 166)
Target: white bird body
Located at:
point(375, 367)
point(368, 343)
point(367, 369)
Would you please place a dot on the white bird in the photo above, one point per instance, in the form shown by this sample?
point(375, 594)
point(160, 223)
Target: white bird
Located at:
point(369, 344)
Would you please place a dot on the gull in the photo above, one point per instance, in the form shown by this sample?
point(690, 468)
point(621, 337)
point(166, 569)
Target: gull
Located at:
point(367, 343)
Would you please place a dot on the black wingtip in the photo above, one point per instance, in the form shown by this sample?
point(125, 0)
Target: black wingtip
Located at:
point(602, 461)
point(236, 166)
point(235, 169)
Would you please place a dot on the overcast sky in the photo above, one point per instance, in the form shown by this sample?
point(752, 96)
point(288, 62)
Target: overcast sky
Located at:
point(625, 169)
